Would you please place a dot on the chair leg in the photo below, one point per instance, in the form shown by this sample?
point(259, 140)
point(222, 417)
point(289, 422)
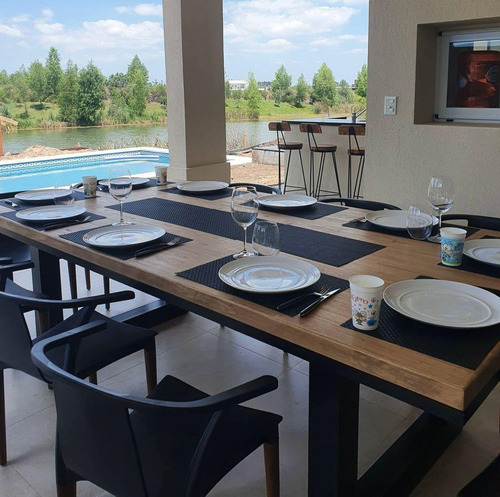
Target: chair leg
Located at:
point(150, 363)
point(279, 169)
point(349, 177)
point(312, 188)
point(93, 378)
point(334, 157)
point(303, 173)
point(359, 177)
point(3, 429)
point(287, 171)
point(73, 288)
point(272, 464)
point(87, 278)
point(317, 193)
point(106, 290)
point(68, 490)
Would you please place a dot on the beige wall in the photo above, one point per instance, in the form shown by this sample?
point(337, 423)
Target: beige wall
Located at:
point(401, 155)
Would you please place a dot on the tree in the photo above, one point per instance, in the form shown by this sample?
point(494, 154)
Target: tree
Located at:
point(53, 72)
point(118, 110)
point(362, 81)
point(90, 95)
point(118, 80)
point(68, 94)
point(157, 92)
point(281, 84)
point(301, 91)
point(324, 87)
point(37, 80)
point(346, 95)
point(253, 97)
point(138, 91)
point(20, 87)
point(135, 65)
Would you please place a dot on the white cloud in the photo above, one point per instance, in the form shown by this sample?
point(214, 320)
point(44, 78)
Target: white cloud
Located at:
point(47, 14)
point(149, 9)
point(356, 2)
point(337, 40)
point(359, 38)
point(275, 45)
point(10, 31)
point(24, 44)
point(358, 50)
point(123, 10)
point(21, 18)
point(49, 28)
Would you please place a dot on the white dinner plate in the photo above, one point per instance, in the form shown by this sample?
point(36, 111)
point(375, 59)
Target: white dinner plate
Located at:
point(444, 303)
point(269, 274)
point(288, 201)
point(123, 235)
point(487, 251)
point(201, 186)
point(45, 213)
point(393, 220)
point(36, 196)
point(136, 181)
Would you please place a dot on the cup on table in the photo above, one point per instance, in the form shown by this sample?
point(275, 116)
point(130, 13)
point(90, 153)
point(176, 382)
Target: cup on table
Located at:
point(418, 223)
point(452, 246)
point(89, 186)
point(64, 194)
point(366, 296)
point(161, 175)
point(266, 238)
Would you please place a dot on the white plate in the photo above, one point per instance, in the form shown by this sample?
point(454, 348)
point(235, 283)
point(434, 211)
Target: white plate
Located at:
point(135, 182)
point(394, 220)
point(36, 196)
point(123, 236)
point(269, 274)
point(487, 251)
point(45, 213)
point(444, 303)
point(201, 186)
point(288, 201)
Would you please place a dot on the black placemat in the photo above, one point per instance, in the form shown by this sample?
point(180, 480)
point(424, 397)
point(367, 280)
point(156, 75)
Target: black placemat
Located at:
point(463, 347)
point(207, 274)
point(39, 226)
point(149, 184)
point(473, 266)
point(315, 211)
point(26, 205)
point(367, 226)
point(315, 245)
point(123, 253)
point(205, 196)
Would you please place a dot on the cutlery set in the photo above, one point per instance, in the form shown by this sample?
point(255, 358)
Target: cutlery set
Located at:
point(324, 293)
point(56, 225)
point(157, 247)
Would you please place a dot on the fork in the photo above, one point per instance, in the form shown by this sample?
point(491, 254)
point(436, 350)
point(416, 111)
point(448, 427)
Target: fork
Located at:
point(159, 246)
point(324, 289)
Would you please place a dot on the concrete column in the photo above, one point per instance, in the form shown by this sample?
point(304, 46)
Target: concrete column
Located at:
point(195, 89)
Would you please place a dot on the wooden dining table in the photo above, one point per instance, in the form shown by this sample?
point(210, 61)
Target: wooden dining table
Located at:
point(341, 358)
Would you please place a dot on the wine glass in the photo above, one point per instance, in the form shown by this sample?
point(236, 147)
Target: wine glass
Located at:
point(64, 195)
point(120, 187)
point(418, 223)
point(441, 196)
point(244, 209)
point(266, 238)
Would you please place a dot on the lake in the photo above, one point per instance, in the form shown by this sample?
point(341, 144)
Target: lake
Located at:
point(127, 136)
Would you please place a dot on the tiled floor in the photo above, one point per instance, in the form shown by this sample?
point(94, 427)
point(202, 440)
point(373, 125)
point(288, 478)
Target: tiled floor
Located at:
point(214, 358)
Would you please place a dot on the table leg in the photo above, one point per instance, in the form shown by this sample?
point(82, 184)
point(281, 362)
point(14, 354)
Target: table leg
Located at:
point(333, 433)
point(47, 280)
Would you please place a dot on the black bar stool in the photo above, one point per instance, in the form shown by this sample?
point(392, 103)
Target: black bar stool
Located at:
point(280, 128)
point(354, 149)
point(323, 149)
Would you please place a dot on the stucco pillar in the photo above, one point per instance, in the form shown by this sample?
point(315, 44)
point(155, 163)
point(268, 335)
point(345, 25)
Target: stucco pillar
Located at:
point(195, 89)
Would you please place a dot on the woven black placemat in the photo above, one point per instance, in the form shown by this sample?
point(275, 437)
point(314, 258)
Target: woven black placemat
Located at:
point(122, 253)
point(366, 226)
point(315, 211)
point(463, 347)
point(321, 247)
point(39, 226)
point(205, 196)
point(207, 274)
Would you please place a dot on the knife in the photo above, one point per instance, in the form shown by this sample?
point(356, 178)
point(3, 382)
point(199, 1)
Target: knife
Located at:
point(311, 307)
point(156, 248)
point(54, 226)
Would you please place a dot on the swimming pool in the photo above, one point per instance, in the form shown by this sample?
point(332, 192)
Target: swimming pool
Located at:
point(44, 173)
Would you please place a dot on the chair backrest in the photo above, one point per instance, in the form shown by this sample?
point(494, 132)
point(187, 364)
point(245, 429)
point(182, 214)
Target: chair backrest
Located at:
point(260, 188)
point(369, 205)
point(482, 222)
point(280, 127)
point(353, 131)
point(311, 130)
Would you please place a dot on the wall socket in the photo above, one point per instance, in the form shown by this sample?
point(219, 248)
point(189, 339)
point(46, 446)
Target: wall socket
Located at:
point(390, 106)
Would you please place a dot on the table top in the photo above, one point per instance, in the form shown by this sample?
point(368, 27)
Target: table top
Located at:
point(327, 121)
point(321, 332)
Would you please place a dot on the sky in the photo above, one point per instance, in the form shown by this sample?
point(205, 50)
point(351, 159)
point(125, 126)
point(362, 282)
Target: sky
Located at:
point(259, 35)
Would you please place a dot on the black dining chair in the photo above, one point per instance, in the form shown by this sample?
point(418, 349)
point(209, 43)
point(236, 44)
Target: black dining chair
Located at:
point(260, 188)
point(369, 205)
point(94, 353)
point(13, 251)
point(177, 442)
point(475, 221)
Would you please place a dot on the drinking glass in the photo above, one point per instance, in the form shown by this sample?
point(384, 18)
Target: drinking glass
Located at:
point(120, 187)
point(244, 209)
point(441, 196)
point(418, 223)
point(266, 238)
point(64, 195)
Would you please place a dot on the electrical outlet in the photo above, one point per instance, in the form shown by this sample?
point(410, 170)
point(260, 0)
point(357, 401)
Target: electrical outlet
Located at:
point(390, 106)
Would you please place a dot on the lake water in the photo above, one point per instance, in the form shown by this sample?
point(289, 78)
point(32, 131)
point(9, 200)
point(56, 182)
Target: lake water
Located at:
point(255, 132)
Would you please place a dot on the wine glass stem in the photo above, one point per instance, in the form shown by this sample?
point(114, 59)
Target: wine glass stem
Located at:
point(440, 213)
point(244, 238)
point(121, 212)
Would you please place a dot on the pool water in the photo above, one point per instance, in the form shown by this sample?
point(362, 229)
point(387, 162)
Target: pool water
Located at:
point(16, 176)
